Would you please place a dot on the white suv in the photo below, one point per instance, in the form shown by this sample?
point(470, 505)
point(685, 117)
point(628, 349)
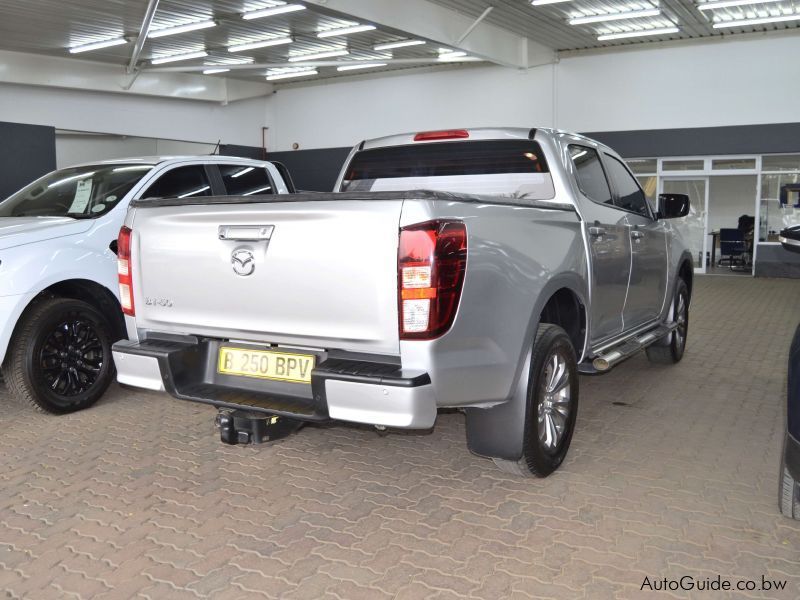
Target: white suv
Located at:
point(59, 307)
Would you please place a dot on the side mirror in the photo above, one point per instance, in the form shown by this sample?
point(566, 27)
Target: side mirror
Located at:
point(790, 238)
point(673, 206)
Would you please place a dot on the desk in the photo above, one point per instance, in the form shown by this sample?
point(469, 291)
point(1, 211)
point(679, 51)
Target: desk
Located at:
point(714, 237)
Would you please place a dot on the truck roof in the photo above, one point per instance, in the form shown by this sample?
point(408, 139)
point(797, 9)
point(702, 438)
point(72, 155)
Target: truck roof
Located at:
point(474, 133)
point(157, 160)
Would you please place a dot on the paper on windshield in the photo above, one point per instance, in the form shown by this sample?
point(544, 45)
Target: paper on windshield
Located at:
point(83, 193)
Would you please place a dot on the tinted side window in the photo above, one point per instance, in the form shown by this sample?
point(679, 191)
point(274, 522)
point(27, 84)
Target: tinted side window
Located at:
point(630, 194)
point(589, 174)
point(183, 182)
point(242, 180)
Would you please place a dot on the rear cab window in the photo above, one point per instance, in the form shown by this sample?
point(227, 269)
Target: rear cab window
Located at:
point(510, 168)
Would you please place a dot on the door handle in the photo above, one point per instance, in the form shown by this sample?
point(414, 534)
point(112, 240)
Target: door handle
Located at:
point(637, 235)
point(245, 233)
point(596, 231)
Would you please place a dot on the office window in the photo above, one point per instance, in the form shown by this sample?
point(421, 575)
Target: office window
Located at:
point(780, 162)
point(642, 165)
point(242, 180)
point(183, 182)
point(589, 174)
point(682, 165)
point(630, 194)
point(723, 164)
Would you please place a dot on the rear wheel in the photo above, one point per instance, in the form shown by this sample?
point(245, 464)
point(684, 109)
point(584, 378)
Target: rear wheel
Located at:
point(670, 350)
point(788, 493)
point(59, 360)
point(552, 405)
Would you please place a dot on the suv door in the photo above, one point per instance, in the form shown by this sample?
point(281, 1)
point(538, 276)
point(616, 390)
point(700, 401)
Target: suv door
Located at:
point(648, 239)
point(608, 240)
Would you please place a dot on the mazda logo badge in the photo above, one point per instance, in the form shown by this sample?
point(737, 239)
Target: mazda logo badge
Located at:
point(243, 261)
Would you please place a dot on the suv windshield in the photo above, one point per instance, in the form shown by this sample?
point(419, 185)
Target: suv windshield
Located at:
point(514, 168)
point(79, 192)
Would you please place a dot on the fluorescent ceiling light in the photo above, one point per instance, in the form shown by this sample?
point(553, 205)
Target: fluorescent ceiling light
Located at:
point(199, 190)
point(72, 178)
point(345, 31)
point(242, 172)
point(157, 33)
point(757, 21)
point(445, 56)
point(633, 34)
point(160, 60)
point(132, 168)
point(216, 70)
point(275, 10)
point(261, 44)
point(728, 3)
point(364, 66)
point(401, 44)
point(631, 14)
point(98, 45)
point(304, 73)
point(258, 191)
point(543, 2)
point(329, 54)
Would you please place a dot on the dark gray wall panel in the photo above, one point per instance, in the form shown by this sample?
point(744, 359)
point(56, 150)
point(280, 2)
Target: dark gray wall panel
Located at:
point(742, 139)
point(313, 170)
point(26, 153)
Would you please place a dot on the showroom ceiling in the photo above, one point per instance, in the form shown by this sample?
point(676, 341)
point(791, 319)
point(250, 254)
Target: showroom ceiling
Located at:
point(297, 32)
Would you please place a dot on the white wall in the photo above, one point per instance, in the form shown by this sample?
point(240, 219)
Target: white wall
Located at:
point(72, 149)
point(235, 123)
point(720, 82)
point(343, 113)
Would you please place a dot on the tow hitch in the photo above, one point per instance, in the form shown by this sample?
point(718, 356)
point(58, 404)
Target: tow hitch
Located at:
point(242, 427)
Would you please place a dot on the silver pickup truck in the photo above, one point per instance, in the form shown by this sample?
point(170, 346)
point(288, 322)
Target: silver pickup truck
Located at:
point(531, 256)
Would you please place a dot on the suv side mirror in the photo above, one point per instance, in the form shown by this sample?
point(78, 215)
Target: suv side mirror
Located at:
point(673, 206)
point(790, 238)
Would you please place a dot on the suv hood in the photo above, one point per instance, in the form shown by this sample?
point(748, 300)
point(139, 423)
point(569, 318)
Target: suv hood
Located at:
point(16, 231)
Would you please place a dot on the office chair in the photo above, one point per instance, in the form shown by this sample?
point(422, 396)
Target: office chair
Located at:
point(732, 248)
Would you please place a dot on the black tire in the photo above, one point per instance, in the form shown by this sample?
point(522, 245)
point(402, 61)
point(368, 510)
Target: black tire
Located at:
point(59, 360)
point(670, 350)
point(538, 458)
point(788, 493)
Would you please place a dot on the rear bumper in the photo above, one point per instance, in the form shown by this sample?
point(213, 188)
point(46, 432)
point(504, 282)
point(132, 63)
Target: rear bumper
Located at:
point(359, 391)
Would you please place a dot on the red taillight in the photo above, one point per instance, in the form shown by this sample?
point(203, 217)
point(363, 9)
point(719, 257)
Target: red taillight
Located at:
point(447, 134)
point(431, 262)
point(124, 271)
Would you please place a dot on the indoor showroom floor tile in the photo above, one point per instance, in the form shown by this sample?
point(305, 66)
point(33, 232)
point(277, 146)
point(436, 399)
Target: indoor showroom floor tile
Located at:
point(672, 473)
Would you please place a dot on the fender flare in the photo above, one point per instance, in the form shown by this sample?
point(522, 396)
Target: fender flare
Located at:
point(498, 431)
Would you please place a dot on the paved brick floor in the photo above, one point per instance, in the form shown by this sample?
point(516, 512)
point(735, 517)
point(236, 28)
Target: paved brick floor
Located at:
point(673, 472)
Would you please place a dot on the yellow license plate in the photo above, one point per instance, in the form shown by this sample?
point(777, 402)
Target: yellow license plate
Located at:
point(266, 364)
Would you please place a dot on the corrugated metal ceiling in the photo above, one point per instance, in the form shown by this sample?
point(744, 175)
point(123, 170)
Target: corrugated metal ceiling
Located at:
point(53, 26)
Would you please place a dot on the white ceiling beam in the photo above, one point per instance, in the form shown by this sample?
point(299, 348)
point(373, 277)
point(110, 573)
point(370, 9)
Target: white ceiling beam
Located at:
point(424, 19)
point(70, 73)
point(147, 21)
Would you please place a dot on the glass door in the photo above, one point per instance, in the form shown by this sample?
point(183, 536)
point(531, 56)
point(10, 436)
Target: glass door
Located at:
point(694, 226)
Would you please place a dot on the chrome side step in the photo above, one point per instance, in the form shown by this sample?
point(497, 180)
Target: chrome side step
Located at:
point(607, 359)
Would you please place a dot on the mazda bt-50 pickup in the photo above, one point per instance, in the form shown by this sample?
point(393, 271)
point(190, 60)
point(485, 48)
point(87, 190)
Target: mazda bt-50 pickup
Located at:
point(482, 269)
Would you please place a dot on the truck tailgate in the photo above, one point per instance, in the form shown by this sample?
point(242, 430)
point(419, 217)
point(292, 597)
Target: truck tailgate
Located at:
point(326, 277)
